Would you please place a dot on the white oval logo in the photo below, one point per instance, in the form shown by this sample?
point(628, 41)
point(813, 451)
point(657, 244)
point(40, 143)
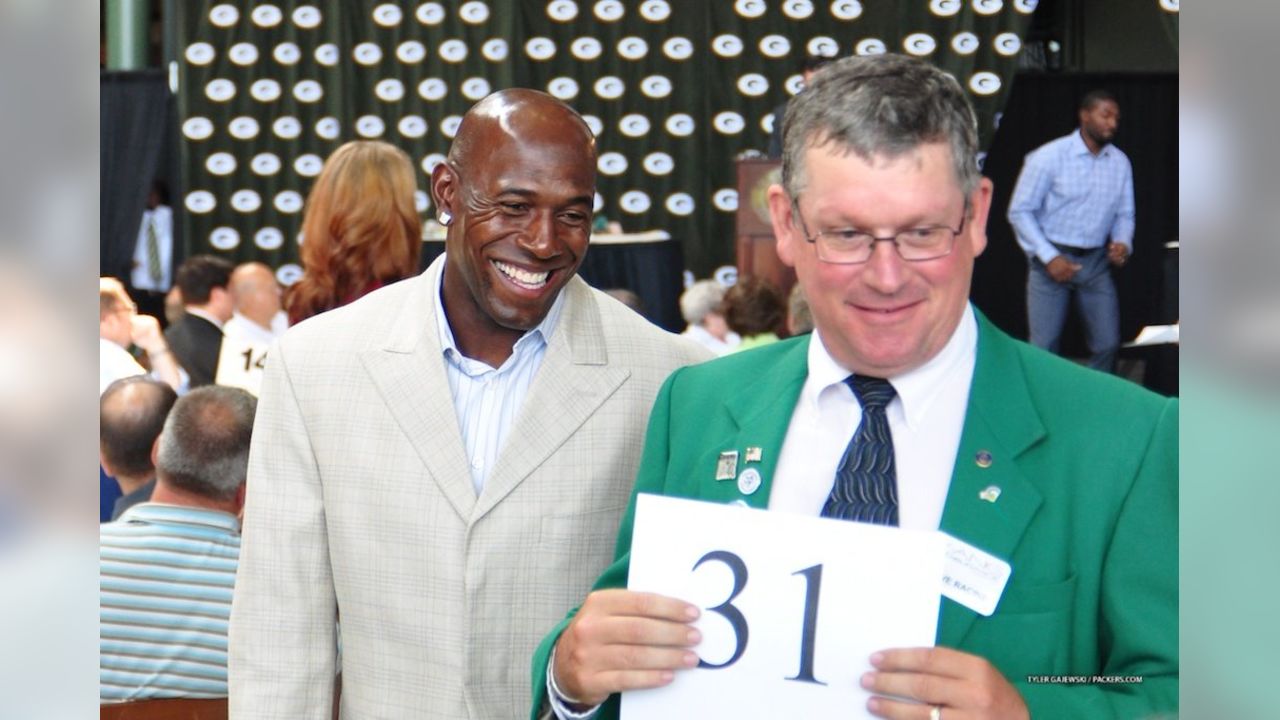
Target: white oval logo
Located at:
point(612, 163)
point(224, 15)
point(1169, 5)
point(1007, 44)
point(919, 44)
point(327, 54)
point(367, 53)
point(265, 90)
point(726, 275)
point(774, 46)
point(753, 85)
point(201, 201)
point(430, 162)
point(633, 48)
point(201, 53)
point(308, 91)
point(562, 10)
point(430, 13)
point(475, 88)
point(655, 86)
point(823, 45)
point(987, 7)
point(412, 126)
point(597, 203)
point(766, 122)
point(370, 126)
point(609, 10)
point(307, 17)
point(725, 200)
point(609, 87)
point(594, 123)
point(634, 201)
point(411, 51)
point(727, 45)
point(453, 51)
point(846, 9)
point(246, 201)
point(432, 89)
point(680, 125)
point(243, 53)
point(540, 48)
point(634, 125)
point(473, 12)
point(750, 8)
point(1026, 7)
point(290, 273)
point(655, 10)
point(420, 201)
point(265, 164)
point(945, 8)
point(267, 16)
point(328, 128)
point(197, 128)
point(677, 48)
point(679, 203)
point(389, 90)
point(984, 83)
point(243, 127)
point(221, 163)
point(728, 122)
point(495, 50)
point(797, 9)
point(287, 128)
point(964, 43)
point(220, 90)
point(794, 84)
point(224, 238)
point(308, 165)
point(387, 15)
point(658, 163)
point(288, 202)
point(449, 125)
point(869, 46)
point(268, 238)
point(586, 48)
point(980, 159)
point(287, 53)
point(563, 87)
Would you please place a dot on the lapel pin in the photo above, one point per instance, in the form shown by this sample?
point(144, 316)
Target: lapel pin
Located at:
point(754, 454)
point(990, 494)
point(727, 467)
point(749, 481)
point(983, 459)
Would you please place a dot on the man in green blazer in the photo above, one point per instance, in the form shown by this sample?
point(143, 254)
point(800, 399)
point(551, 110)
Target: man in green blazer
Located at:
point(1067, 474)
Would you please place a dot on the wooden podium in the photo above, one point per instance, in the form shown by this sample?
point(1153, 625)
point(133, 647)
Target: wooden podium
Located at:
point(755, 246)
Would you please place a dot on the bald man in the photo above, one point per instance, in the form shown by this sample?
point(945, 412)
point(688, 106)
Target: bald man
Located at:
point(443, 463)
point(258, 316)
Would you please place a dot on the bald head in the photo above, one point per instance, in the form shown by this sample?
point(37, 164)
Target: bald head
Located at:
point(522, 116)
point(255, 292)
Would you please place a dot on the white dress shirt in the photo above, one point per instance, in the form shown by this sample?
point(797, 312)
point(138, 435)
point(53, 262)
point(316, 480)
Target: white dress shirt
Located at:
point(488, 400)
point(926, 418)
point(162, 216)
point(240, 327)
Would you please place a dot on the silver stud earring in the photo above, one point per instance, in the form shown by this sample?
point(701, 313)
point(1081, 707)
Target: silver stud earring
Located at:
point(445, 217)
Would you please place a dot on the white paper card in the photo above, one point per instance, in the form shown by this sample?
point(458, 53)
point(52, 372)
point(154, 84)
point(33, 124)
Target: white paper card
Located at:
point(972, 577)
point(872, 587)
point(241, 363)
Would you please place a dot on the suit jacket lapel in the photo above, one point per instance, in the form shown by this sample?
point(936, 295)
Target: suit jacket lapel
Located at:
point(408, 370)
point(1000, 422)
point(575, 379)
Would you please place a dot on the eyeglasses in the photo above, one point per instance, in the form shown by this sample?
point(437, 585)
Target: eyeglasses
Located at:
point(850, 246)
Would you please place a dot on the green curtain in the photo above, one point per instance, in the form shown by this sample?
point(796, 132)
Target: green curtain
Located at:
point(675, 90)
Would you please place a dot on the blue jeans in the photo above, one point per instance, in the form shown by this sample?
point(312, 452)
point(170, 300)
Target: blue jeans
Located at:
point(1095, 299)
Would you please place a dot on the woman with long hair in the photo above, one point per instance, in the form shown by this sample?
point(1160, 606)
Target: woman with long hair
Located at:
point(361, 230)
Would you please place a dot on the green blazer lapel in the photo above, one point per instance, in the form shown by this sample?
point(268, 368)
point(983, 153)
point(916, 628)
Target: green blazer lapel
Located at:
point(990, 502)
point(760, 413)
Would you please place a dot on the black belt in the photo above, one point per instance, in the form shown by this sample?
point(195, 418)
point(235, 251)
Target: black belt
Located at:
point(1075, 251)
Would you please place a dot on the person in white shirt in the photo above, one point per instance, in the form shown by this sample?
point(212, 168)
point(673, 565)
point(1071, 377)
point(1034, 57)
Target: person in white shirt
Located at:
point(259, 316)
point(700, 306)
point(120, 326)
point(151, 273)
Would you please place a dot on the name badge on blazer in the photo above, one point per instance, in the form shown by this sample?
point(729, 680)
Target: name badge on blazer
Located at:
point(972, 577)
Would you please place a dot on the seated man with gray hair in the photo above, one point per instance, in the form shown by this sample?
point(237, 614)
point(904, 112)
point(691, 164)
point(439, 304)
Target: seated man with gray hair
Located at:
point(168, 566)
point(700, 306)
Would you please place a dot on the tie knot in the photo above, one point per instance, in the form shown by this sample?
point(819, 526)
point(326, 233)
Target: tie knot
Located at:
point(872, 392)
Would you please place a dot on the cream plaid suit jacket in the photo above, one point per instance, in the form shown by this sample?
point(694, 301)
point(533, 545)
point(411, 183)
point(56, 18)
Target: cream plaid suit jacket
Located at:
point(360, 505)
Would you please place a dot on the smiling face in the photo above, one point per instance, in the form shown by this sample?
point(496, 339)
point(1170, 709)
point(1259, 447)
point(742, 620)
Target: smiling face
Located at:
point(886, 316)
point(520, 191)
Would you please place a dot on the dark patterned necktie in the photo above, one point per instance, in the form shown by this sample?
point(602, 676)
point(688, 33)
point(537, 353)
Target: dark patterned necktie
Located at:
point(153, 253)
point(866, 486)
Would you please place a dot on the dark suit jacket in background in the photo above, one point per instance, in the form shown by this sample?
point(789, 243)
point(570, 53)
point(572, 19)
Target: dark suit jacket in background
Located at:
point(196, 342)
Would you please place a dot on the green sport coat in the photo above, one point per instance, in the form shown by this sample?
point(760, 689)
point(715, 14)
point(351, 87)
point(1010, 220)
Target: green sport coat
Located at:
point(1087, 466)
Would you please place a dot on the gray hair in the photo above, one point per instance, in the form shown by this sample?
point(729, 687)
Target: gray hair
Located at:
point(880, 106)
point(700, 299)
point(204, 447)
